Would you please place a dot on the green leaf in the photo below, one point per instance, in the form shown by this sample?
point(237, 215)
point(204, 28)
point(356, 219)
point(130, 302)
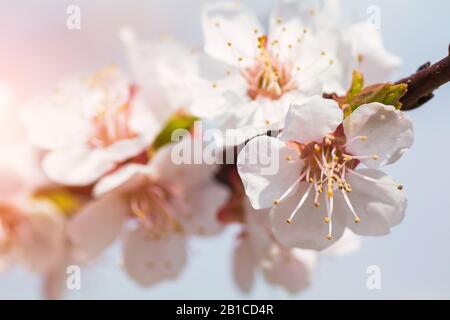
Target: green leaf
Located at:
point(177, 121)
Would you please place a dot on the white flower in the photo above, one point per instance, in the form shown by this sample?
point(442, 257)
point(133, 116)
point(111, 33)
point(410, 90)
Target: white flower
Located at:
point(248, 77)
point(318, 152)
point(167, 202)
point(91, 125)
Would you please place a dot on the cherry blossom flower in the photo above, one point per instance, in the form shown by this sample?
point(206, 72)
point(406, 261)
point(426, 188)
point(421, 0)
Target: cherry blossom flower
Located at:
point(31, 230)
point(318, 153)
point(257, 248)
point(248, 77)
point(163, 201)
point(91, 125)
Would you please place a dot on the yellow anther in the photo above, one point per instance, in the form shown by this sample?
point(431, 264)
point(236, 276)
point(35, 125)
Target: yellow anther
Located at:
point(363, 138)
point(317, 147)
point(329, 236)
point(327, 141)
point(311, 180)
point(289, 158)
point(229, 44)
point(331, 61)
point(360, 58)
point(267, 122)
point(240, 59)
point(255, 31)
point(279, 20)
point(276, 202)
point(320, 189)
point(330, 193)
point(290, 46)
point(326, 220)
point(323, 53)
point(305, 30)
point(316, 204)
point(289, 221)
point(375, 157)
point(357, 219)
point(214, 85)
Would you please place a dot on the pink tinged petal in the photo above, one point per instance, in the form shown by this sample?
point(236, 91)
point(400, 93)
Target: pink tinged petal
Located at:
point(389, 134)
point(55, 280)
point(291, 269)
point(83, 166)
point(170, 164)
point(126, 179)
point(268, 167)
point(379, 206)
point(203, 205)
point(244, 265)
point(97, 225)
point(307, 229)
point(311, 120)
point(229, 32)
point(149, 260)
point(42, 238)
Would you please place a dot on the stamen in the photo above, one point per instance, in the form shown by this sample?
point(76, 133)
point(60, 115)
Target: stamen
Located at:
point(302, 201)
point(398, 186)
point(355, 138)
point(349, 204)
point(289, 190)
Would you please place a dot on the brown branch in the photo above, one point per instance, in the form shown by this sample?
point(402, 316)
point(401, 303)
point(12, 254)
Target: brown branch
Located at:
point(422, 83)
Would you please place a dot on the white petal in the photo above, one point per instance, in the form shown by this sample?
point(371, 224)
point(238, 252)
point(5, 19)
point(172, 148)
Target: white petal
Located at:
point(97, 225)
point(268, 167)
point(43, 239)
point(307, 229)
point(244, 265)
point(149, 261)
point(127, 178)
point(348, 243)
point(168, 164)
point(366, 45)
point(290, 269)
point(316, 15)
point(204, 203)
point(380, 206)
point(311, 120)
point(227, 22)
point(389, 132)
point(83, 166)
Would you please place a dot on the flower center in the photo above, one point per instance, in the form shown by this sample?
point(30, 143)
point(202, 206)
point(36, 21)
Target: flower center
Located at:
point(268, 77)
point(111, 119)
point(155, 207)
point(326, 166)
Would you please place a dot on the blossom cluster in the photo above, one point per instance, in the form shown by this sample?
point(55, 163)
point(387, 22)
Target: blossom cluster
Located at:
point(93, 163)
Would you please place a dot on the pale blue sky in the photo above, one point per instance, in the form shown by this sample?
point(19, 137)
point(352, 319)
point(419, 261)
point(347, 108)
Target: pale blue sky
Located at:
point(414, 259)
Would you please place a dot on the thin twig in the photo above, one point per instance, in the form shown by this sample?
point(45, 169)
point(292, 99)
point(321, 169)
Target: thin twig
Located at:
point(422, 83)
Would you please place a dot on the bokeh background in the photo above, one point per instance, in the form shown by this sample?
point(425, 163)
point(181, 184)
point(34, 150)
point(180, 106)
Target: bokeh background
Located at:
point(37, 51)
